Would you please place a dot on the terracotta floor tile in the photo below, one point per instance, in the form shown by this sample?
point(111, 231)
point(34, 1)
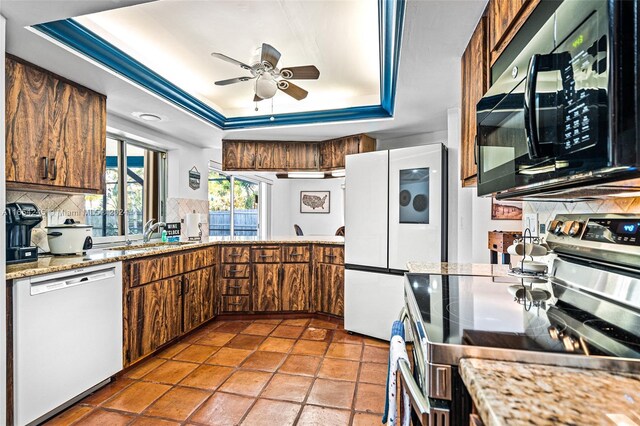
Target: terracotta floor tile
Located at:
point(275, 321)
point(375, 354)
point(332, 393)
point(265, 361)
point(270, 413)
point(245, 341)
point(308, 347)
point(276, 344)
point(178, 403)
point(370, 341)
point(196, 353)
point(341, 336)
point(322, 416)
point(173, 350)
point(69, 416)
point(233, 326)
point(230, 357)
point(197, 335)
point(171, 372)
point(144, 368)
point(102, 417)
point(300, 322)
point(222, 409)
point(339, 369)
point(137, 397)
point(318, 323)
point(365, 419)
point(248, 383)
point(288, 331)
point(287, 388)
point(301, 364)
point(152, 421)
point(370, 398)
point(208, 377)
point(259, 329)
point(373, 373)
point(344, 351)
point(101, 395)
point(216, 338)
point(312, 333)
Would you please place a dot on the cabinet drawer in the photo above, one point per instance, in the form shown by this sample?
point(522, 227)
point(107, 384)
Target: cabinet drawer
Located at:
point(235, 271)
point(198, 259)
point(295, 254)
point(329, 254)
point(145, 271)
point(234, 286)
point(235, 254)
point(234, 304)
point(265, 255)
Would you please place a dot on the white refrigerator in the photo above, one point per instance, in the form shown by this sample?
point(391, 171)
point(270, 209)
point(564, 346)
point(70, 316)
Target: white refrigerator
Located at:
point(395, 212)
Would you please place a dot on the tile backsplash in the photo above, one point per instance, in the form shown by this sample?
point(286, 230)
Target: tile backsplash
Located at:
point(547, 211)
point(178, 208)
point(68, 205)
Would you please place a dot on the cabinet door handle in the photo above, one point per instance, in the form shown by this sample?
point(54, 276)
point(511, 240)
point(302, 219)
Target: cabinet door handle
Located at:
point(234, 271)
point(54, 169)
point(234, 255)
point(475, 150)
point(295, 254)
point(265, 256)
point(44, 161)
point(235, 303)
point(236, 286)
point(186, 285)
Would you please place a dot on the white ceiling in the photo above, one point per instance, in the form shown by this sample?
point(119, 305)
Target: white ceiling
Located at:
point(176, 38)
point(435, 35)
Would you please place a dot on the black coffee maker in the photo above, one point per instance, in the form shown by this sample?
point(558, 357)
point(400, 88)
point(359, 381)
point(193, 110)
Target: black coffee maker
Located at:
point(21, 218)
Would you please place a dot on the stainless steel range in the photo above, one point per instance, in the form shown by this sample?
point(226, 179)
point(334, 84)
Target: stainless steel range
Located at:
point(584, 313)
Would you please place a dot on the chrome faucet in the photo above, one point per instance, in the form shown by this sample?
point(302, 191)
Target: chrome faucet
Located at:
point(150, 228)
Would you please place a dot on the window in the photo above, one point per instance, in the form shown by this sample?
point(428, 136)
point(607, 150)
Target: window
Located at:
point(241, 204)
point(134, 191)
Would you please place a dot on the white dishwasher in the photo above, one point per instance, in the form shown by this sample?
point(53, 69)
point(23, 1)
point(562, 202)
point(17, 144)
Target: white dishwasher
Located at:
point(67, 331)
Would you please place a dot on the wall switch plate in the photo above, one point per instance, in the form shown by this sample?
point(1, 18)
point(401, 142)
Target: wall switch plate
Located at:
point(531, 222)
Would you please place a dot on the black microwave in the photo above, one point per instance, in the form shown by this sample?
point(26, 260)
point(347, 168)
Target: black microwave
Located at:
point(564, 113)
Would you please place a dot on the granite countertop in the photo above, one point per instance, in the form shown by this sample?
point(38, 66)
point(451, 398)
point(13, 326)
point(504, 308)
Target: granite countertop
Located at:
point(48, 263)
point(511, 393)
point(444, 268)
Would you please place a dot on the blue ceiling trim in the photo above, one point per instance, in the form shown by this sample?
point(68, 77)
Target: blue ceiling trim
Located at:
point(391, 13)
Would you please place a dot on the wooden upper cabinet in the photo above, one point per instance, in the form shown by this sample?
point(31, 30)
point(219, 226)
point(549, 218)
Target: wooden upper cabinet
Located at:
point(474, 85)
point(505, 19)
point(302, 156)
point(238, 155)
point(289, 156)
point(55, 131)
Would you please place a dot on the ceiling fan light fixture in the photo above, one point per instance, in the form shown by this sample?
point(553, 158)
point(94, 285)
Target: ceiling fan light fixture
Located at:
point(266, 86)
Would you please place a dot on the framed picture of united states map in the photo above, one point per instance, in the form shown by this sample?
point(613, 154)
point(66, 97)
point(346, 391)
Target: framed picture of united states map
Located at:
point(315, 201)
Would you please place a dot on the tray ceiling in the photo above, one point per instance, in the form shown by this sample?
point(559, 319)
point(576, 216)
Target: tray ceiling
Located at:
point(174, 40)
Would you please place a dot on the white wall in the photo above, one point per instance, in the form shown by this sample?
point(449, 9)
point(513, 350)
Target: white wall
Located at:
point(285, 207)
point(3, 326)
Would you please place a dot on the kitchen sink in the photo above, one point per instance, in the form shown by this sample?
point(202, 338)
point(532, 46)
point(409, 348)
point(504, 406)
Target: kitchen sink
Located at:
point(149, 246)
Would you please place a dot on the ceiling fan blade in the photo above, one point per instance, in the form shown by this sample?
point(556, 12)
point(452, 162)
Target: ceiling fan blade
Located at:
point(305, 72)
point(270, 55)
point(233, 80)
point(292, 90)
point(230, 60)
point(257, 98)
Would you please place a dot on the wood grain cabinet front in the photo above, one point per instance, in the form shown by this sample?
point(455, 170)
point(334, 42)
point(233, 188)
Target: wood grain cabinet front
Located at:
point(234, 304)
point(235, 254)
point(266, 287)
point(198, 294)
point(55, 131)
point(329, 295)
point(295, 287)
point(265, 254)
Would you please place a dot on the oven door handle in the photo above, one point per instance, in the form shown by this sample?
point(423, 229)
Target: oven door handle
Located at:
point(419, 403)
point(530, 119)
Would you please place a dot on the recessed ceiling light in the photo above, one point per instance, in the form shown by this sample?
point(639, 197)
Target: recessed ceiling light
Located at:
point(147, 116)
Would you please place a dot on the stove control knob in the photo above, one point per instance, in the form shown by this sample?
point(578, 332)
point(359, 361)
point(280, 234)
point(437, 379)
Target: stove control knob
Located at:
point(554, 332)
point(555, 227)
point(576, 228)
point(570, 344)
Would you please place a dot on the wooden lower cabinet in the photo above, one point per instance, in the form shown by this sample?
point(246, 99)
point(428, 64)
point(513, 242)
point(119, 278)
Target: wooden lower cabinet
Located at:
point(266, 287)
point(198, 298)
point(329, 289)
point(234, 304)
point(154, 317)
point(295, 287)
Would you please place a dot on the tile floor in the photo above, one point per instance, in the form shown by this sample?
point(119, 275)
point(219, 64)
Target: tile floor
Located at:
point(262, 372)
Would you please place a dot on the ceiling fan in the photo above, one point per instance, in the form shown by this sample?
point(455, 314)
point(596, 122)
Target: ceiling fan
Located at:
point(268, 77)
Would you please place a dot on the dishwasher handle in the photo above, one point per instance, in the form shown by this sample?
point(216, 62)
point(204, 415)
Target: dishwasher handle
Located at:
point(41, 285)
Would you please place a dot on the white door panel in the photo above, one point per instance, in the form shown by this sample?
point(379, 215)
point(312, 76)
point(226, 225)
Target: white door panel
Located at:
point(366, 205)
point(372, 302)
point(415, 241)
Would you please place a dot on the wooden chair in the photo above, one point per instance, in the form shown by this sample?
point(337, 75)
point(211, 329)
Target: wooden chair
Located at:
point(298, 230)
